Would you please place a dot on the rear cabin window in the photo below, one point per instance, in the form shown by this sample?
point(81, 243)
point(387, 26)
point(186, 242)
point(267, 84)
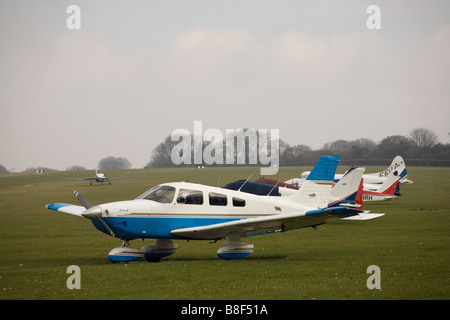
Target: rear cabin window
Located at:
point(217, 199)
point(237, 202)
point(186, 196)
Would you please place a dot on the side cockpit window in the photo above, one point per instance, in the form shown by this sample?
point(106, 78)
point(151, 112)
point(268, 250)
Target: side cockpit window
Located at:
point(186, 196)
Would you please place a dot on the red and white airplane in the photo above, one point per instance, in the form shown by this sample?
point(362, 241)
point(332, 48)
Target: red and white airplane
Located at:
point(383, 185)
point(388, 190)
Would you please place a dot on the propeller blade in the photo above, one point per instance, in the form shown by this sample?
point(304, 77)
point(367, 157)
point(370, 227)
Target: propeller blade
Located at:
point(93, 213)
point(82, 199)
point(107, 227)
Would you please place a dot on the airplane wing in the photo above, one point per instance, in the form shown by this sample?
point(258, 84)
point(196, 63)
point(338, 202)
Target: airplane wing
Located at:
point(67, 208)
point(93, 180)
point(112, 179)
point(272, 223)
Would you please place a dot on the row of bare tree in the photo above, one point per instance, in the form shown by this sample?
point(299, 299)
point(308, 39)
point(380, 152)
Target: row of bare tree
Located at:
point(421, 147)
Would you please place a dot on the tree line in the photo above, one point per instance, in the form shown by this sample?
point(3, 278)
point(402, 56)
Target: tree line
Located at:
point(420, 147)
point(108, 163)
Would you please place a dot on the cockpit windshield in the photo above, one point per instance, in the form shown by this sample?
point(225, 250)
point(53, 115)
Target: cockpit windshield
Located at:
point(161, 194)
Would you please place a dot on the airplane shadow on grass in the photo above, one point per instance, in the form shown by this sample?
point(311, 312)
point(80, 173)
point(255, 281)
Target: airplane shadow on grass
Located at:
point(92, 261)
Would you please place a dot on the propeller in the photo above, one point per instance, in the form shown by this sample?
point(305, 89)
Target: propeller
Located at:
point(82, 199)
point(92, 212)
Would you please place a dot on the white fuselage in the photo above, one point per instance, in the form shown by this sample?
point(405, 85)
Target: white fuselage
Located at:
point(175, 209)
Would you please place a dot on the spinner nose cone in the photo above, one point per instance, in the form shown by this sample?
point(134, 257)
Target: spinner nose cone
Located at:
point(93, 213)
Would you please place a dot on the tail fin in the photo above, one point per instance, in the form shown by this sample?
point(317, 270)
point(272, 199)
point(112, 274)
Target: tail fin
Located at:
point(359, 195)
point(389, 186)
point(346, 189)
point(398, 164)
point(315, 191)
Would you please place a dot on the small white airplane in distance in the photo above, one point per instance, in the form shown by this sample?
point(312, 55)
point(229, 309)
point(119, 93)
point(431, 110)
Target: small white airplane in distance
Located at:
point(398, 164)
point(100, 178)
point(181, 210)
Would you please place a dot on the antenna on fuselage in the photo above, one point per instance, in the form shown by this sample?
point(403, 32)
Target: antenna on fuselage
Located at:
point(244, 183)
point(273, 188)
point(218, 182)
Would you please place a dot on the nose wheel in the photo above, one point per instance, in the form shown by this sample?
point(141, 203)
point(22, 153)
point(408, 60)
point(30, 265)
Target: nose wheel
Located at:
point(125, 253)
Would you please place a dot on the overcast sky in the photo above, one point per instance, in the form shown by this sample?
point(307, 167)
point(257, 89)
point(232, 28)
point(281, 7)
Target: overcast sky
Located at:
point(137, 70)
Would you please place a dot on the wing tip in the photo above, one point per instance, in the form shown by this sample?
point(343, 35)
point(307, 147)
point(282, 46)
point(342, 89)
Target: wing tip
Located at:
point(56, 206)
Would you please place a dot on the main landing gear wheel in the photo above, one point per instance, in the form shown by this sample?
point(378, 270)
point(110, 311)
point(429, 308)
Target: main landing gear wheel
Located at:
point(234, 248)
point(160, 249)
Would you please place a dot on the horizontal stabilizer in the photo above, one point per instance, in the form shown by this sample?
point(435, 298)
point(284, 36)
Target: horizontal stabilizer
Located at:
point(364, 216)
point(351, 205)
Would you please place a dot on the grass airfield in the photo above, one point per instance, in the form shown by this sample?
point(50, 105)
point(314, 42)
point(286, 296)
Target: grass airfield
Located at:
point(410, 244)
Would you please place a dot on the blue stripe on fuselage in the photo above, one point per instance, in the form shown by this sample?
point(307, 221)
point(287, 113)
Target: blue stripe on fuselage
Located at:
point(155, 227)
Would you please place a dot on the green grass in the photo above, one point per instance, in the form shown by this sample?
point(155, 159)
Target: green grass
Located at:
point(410, 244)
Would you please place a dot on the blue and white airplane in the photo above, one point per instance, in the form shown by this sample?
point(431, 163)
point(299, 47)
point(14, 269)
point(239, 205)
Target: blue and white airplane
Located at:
point(181, 210)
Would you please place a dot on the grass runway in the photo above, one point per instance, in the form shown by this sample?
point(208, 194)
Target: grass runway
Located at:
point(410, 244)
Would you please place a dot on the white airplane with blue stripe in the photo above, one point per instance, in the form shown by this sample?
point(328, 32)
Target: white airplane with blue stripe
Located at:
point(181, 210)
